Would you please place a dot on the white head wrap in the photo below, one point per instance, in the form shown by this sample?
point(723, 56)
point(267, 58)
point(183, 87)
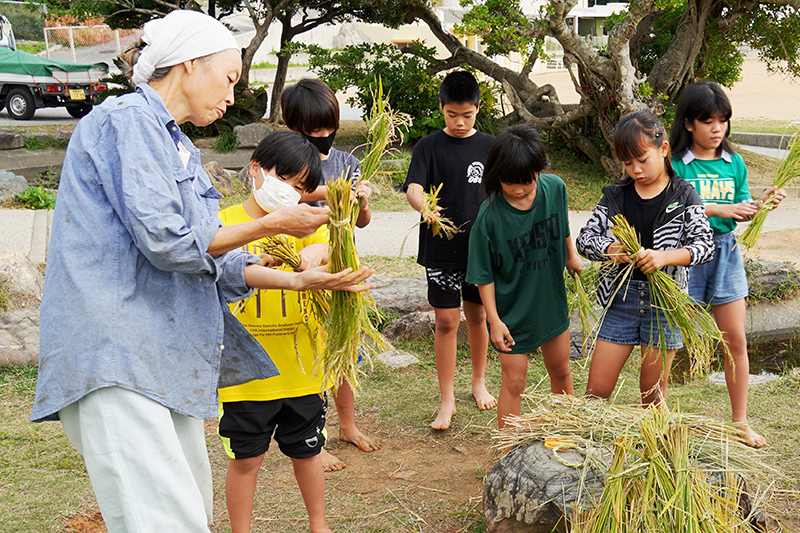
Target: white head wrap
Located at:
point(180, 36)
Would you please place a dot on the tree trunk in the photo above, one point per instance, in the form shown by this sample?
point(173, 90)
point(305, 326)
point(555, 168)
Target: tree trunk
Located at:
point(283, 66)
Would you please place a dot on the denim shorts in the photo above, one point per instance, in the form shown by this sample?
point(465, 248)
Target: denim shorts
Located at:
point(723, 279)
point(632, 320)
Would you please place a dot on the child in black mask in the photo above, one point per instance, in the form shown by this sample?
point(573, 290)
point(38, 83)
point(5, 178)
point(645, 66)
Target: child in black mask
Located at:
point(311, 109)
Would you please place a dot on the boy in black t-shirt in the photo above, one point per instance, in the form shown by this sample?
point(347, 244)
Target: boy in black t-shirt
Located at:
point(454, 157)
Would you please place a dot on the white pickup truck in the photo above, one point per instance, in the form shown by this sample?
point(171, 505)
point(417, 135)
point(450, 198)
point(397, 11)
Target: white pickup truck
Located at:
point(29, 82)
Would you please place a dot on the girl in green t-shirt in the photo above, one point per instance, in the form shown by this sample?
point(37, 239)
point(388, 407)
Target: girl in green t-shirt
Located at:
point(705, 158)
point(518, 249)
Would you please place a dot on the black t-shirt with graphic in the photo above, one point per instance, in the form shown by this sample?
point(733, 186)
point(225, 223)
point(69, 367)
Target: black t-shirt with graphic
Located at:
point(458, 165)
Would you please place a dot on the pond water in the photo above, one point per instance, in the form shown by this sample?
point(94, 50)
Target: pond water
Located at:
point(769, 358)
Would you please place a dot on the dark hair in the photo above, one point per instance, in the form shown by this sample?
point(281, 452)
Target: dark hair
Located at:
point(289, 154)
point(460, 87)
point(516, 155)
point(308, 105)
point(700, 101)
point(636, 133)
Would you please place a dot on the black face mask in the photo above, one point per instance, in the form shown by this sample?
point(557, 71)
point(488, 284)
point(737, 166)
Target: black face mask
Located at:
point(323, 144)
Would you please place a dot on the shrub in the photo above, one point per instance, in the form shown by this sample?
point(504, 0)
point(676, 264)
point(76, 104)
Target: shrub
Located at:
point(37, 198)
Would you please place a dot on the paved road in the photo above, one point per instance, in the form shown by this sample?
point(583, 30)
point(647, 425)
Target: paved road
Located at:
point(48, 115)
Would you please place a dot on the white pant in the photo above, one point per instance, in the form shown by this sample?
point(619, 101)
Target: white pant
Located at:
point(148, 465)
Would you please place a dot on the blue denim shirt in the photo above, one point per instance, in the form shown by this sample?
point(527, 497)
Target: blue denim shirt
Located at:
point(131, 298)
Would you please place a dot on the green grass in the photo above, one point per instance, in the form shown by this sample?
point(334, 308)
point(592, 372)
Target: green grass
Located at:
point(31, 48)
point(584, 179)
point(393, 267)
point(267, 65)
point(763, 125)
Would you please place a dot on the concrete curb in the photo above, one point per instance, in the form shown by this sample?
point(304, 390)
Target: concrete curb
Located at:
point(767, 140)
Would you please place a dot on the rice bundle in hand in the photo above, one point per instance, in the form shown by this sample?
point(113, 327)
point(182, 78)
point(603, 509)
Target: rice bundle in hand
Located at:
point(788, 169)
point(697, 326)
point(384, 127)
point(280, 247)
point(349, 328)
point(440, 226)
point(581, 302)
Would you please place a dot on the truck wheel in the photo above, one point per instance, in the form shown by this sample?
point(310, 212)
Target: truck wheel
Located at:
point(20, 104)
point(79, 110)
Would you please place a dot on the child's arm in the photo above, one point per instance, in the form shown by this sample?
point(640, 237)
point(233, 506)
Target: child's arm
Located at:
point(414, 195)
point(364, 191)
point(594, 241)
point(574, 263)
point(317, 195)
point(498, 331)
point(649, 260)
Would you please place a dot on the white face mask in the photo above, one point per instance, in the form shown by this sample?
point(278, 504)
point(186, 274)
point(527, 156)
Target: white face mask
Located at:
point(274, 193)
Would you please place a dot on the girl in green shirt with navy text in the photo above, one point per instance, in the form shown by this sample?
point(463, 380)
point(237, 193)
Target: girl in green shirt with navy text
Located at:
point(518, 248)
point(705, 158)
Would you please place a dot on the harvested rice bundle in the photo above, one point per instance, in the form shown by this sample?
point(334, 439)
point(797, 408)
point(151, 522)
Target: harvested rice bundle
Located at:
point(281, 247)
point(788, 169)
point(581, 302)
point(384, 127)
point(439, 225)
point(658, 479)
point(348, 327)
point(697, 326)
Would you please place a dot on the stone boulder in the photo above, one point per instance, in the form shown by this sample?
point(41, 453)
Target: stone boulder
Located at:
point(249, 135)
point(220, 178)
point(11, 185)
point(244, 176)
point(530, 490)
point(396, 358)
point(21, 279)
point(399, 296)
point(63, 135)
point(769, 277)
point(37, 136)
point(19, 336)
point(419, 324)
point(11, 141)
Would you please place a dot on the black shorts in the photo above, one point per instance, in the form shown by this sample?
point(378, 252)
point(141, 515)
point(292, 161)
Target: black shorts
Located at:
point(246, 427)
point(446, 288)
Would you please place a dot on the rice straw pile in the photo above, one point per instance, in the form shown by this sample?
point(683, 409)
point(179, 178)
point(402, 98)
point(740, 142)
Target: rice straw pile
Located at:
point(440, 226)
point(696, 324)
point(281, 247)
point(658, 479)
point(788, 169)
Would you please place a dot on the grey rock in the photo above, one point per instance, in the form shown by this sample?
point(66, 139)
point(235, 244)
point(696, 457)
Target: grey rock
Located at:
point(420, 324)
point(530, 490)
point(397, 358)
point(244, 176)
point(37, 135)
point(22, 280)
point(770, 277)
point(220, 178)
point(63, 135)
point(11, 184)
point(11, 141)
point(401, 295)
point(19, 336)
point(249, 135)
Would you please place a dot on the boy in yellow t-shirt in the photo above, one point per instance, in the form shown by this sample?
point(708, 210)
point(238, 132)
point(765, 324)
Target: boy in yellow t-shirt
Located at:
point(290, 405)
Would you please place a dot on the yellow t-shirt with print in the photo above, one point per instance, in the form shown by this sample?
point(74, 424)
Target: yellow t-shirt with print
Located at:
point(277, 318)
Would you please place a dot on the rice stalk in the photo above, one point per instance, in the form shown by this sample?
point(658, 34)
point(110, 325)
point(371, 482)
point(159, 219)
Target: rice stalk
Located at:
point(658, 477)
point(788, 170)
point(696, 324)
point(582, 302)
point(384, 127)
point(439, 225)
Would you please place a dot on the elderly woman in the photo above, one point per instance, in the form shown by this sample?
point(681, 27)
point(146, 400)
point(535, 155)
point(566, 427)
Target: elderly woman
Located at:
point(135, 336)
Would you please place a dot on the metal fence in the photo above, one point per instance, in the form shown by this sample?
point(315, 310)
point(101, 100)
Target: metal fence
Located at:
point(87, 44)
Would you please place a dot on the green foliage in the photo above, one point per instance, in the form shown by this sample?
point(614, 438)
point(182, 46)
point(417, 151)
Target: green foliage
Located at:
point(31, 48)
point(27, 21)
point(226, 142)
point(36, 198)
point(773, 30)
point(720, 59)
point(410, 85)
point(503, 26)
point(34, 143)
point(250, 104)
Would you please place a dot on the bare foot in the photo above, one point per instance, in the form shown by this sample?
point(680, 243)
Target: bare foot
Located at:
point(330, 463)
point(354, 435)
point(482, 397)
point(750, 437)
point(446, 412)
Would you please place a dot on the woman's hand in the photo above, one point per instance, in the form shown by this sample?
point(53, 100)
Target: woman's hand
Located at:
point(313, 256)
point(777, 196)
point(649, 260)
point(296, 220)
point(346, 280)
point(617, 253)
point(501, 337)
